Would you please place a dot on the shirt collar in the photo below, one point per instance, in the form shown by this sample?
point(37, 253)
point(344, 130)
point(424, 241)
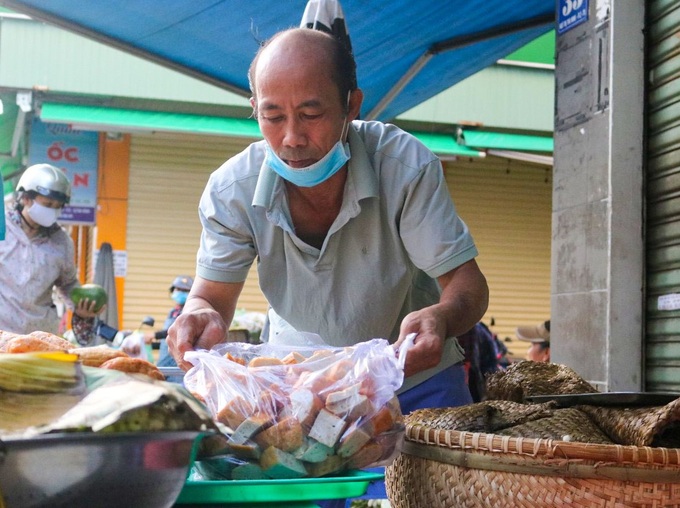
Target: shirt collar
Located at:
point(361, 172)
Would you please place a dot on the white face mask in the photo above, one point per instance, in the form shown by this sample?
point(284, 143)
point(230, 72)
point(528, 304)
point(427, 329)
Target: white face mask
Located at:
point(43, 215)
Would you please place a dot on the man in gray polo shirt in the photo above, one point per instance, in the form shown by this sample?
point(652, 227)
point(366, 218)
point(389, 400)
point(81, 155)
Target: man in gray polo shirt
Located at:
point(351, 223)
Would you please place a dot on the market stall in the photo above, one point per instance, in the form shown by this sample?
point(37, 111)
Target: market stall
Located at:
point(80, 425)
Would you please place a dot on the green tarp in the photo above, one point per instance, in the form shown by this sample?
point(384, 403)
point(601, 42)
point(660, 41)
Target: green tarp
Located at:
point(504, 141)
point(102, 119)
point(126, 120)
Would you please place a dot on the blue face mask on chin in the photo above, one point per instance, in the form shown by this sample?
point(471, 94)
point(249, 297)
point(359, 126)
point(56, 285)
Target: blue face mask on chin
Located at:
point(180, 297)
point(314, 174)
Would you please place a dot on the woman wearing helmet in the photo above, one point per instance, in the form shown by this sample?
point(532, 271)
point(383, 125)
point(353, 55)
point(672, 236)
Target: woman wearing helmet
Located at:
point(37, 255)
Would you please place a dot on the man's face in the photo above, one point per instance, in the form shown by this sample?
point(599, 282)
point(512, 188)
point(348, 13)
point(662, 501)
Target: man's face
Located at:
point(537, 353)
point(300, 112)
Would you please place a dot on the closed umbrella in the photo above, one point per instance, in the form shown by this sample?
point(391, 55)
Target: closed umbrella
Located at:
point(105, 277)
point(327, 16)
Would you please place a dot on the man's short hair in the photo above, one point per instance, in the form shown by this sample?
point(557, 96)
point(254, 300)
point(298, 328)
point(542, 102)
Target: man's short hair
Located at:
point(344, 70)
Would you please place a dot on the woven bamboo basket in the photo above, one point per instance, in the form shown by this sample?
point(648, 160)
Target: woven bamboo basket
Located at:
point(448, 468)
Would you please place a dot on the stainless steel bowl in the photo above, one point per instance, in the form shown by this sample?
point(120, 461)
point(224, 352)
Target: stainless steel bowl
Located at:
point(140, 470)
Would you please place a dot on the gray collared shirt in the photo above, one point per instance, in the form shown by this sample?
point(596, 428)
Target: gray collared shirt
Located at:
point(397, 231)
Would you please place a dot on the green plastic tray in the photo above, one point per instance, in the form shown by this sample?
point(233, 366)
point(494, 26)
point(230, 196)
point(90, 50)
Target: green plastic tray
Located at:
point(350, 484)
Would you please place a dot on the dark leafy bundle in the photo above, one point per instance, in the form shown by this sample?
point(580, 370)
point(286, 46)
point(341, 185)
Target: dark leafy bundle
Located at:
point(488, 417)
point(563, 424)
point(526, 378)
point(642, 426)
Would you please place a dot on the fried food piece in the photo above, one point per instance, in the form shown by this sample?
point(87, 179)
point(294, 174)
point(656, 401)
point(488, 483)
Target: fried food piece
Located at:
point(5, 337)
point(96, 355)
point(31, 344)
point(236, 359)
point(264, 361)
point(133, 366)
point(58, 342)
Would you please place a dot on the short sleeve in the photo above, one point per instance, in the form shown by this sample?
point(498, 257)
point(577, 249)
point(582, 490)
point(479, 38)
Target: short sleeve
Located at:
point(226, 249)
point(435, 237)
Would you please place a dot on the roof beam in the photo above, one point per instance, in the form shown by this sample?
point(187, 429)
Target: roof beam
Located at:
point(449, 45)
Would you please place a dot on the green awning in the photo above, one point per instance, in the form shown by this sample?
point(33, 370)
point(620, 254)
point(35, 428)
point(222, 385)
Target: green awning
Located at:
point(97, 118)
point(503, 141)
point(445, 144)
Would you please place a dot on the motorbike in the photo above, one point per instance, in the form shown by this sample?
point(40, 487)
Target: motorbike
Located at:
point(131, 342)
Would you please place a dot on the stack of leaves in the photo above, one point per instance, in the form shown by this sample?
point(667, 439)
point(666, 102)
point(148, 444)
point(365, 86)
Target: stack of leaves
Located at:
point(524, 379)
point(640, 426)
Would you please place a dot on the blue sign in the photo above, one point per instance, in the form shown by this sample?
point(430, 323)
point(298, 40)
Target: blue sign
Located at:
point(77, 154)
point(571, 13)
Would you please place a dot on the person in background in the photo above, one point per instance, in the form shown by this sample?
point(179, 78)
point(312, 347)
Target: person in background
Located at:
point(481, 358)
point(37, 255)
point(503, 359)
point(539, 337)
point(179, 290)
point(351, 222)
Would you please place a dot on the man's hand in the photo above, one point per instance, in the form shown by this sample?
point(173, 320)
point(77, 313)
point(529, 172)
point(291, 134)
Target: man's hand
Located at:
point(200, 329)
point(203, 321)
point(86, 308)
point(430, 325)
point(464, 299)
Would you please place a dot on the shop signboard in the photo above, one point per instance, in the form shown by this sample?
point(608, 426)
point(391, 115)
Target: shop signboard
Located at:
point(76, 153)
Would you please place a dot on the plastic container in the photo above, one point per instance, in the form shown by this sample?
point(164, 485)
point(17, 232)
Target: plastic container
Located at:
point(351, 484)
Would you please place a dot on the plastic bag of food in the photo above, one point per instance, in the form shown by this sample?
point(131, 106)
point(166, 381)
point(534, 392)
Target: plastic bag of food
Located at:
point(302, 411)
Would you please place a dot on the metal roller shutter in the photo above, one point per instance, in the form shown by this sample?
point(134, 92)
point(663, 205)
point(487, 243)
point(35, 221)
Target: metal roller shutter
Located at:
point(507, 206)
point(168, 173)
point(662, 337)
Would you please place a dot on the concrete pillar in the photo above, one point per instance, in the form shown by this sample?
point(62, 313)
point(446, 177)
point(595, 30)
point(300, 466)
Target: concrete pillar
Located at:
point(597, 218)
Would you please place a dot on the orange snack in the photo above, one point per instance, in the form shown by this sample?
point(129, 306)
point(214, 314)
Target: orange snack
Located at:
point(133, 366)
point(5, 337)
point(58, 342)
point(240, 361)
point(264, 361)
point(30, 344)
point(96, 355)
point(235, 412)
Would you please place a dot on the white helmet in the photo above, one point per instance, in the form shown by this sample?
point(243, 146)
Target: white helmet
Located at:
point(46, 180)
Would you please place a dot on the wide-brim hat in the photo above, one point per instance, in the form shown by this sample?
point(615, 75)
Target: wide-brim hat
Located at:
point(536, 333)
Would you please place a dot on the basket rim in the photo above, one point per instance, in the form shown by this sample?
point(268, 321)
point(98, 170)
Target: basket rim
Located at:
point(543, 448)
point(538, 466)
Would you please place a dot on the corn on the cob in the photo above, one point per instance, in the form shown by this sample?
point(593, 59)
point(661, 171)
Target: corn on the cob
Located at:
point(39, 372)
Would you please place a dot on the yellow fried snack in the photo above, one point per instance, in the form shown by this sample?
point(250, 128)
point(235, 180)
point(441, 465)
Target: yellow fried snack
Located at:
point(96, 355)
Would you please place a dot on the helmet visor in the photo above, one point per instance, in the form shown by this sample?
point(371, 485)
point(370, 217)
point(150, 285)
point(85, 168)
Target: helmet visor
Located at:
point(52, 194)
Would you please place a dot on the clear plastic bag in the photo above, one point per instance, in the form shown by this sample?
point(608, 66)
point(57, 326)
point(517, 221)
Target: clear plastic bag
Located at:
point(303, 411)
point(135, 346)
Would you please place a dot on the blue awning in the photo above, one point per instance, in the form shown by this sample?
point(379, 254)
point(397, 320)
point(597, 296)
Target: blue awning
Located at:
point(406, 51)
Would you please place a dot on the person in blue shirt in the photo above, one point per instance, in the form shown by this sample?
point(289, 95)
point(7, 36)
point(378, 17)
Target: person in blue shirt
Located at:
point(179, 290)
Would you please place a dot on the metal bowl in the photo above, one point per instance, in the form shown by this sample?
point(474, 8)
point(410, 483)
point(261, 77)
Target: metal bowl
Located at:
point(141, 470)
